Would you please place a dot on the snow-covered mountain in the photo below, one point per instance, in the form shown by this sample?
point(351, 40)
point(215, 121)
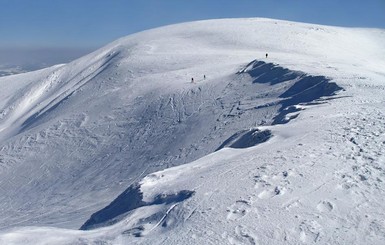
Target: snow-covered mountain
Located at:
point(283, 149)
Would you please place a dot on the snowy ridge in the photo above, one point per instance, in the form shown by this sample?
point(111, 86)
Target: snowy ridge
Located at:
point(126, 121)
point(39, 97)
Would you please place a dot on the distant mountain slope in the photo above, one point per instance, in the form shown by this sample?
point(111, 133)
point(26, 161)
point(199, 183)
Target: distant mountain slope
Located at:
point(16, 60)
point(75, 136)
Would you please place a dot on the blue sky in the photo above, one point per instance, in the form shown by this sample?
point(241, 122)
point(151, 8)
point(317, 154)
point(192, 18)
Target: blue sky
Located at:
point(93, 23)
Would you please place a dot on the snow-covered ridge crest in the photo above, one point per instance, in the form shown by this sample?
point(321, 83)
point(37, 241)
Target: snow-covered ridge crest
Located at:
point(74, 137)
point(38, 97)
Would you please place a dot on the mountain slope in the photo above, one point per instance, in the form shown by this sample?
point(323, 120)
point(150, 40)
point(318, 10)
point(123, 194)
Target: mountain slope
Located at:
point(74, 137)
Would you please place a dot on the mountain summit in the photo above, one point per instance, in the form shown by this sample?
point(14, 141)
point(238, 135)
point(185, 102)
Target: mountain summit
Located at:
point(238, 131)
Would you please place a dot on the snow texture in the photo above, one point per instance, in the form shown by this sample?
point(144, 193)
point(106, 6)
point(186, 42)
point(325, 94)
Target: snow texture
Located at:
point(122, 144)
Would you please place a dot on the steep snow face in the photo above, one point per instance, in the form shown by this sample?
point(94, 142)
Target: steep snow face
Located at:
point(75, 136)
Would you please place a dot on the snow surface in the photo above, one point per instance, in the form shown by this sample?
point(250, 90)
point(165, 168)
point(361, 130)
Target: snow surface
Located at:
point(123, 145)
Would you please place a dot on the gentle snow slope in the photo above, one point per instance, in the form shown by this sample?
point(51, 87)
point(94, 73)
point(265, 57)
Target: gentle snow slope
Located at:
point(73, 137)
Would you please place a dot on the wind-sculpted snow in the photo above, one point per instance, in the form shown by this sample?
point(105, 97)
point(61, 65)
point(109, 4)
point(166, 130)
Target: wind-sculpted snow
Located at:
point(129, 200)
point(302, 88)
point(70, 131)
point(246, 138)
point(189, 110)
point(74, 137)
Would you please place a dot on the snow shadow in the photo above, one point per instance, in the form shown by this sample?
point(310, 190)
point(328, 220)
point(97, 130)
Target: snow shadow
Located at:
point(263, 72)
point(303, 88)
point(129, 200)
point(246, 138)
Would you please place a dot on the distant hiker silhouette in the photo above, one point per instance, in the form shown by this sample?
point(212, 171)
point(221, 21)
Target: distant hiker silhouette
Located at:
point(266, 55)
point(192, 80)
point(204, 76)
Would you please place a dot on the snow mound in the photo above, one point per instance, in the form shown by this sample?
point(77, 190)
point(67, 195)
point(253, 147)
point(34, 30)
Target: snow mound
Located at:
point(132, 199)
point(246, 138)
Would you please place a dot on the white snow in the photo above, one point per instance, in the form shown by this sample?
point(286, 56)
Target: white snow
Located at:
point(74, 137)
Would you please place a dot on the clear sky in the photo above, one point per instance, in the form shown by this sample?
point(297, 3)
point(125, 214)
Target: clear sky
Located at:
point(93, 23)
